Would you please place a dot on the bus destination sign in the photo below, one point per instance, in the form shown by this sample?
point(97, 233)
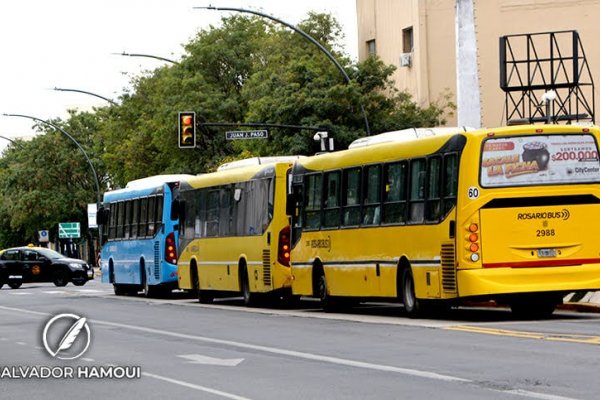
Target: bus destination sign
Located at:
point(234, 135)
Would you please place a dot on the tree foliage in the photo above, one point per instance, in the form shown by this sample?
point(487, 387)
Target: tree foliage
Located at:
point(246, 70)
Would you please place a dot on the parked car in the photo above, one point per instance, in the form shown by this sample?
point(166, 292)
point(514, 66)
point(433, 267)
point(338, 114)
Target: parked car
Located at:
point(37, 264)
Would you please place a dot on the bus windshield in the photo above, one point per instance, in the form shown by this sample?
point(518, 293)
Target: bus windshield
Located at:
point(539, 160)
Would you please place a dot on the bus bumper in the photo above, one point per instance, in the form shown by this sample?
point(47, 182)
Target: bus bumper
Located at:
point(489, 281)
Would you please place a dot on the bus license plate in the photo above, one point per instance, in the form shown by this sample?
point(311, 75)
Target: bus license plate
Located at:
point(15, 277)
point(546, 252)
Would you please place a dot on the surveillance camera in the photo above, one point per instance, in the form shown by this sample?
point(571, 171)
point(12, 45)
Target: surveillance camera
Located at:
point(320, 136)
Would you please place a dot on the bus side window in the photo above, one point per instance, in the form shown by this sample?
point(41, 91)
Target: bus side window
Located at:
point(417, 191)
point(351, 197)
point(450, 182)
point(196, 212)
point(297, 210)
point(332, 200)
point(394, 195)
point(212, 213)
point(226, 212)
point(433, 207)
point(143, 216)
point(120, 219)
point(112, 225)
point(313, 201)
point(151, 227)
point(135, 218)
point(127, 220)
point(159, 212)
point(372, 195)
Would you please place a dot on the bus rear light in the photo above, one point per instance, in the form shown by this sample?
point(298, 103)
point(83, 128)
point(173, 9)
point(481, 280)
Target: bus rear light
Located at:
point(283, 248)
point(472, 239)
point(170, 249)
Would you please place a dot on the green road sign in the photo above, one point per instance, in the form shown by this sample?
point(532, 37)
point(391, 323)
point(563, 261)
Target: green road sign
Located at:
point(69, 230)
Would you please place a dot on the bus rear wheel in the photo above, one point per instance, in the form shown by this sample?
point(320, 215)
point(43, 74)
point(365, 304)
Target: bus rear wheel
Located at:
point(328, 302)
point(534, 306)
point(119, 290)
point(412, 305)
point(250, 299)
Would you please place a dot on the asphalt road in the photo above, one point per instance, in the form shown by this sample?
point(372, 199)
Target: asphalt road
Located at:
point(226, 351)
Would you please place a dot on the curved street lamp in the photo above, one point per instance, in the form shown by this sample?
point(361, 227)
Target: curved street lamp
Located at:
point(7, 138)
point(306, 36)
point(86, 92)
point(58, 128)
point(147, 56)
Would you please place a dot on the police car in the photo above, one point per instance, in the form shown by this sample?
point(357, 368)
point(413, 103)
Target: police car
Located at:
point(20, 265)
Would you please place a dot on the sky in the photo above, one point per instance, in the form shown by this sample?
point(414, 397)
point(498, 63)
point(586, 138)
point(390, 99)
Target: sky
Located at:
point(70, 44)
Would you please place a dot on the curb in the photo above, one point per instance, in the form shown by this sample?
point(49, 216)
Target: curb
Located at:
point(580, 307)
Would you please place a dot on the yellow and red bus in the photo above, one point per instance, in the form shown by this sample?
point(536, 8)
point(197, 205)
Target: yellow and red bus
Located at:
point(433, 216)
point(234, 233)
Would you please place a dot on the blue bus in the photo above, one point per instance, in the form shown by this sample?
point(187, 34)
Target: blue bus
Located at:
point(141, 224)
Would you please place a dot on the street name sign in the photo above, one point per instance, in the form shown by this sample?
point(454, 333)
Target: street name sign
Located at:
point(234, 135)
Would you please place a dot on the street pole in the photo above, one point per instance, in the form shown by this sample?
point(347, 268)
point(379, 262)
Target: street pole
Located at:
point(304, 35)
point(85, 92)
point(6, 138)
point(147, 56)
point(58, 128)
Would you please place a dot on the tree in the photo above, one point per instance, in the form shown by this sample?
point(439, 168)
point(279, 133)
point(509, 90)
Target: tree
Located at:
point(245, 70)
point(46, 181)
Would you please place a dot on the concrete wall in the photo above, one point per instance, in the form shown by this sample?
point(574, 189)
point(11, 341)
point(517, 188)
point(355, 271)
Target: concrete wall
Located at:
point(433, 69)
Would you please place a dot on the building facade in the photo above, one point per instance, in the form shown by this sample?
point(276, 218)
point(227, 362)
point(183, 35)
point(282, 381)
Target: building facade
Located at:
point(419, 37)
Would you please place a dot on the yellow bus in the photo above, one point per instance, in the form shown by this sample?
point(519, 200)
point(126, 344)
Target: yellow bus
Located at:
point(433, 216)
point(235, 234)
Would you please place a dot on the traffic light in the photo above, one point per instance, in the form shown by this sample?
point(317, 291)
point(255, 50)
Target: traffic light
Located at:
point(187, 130)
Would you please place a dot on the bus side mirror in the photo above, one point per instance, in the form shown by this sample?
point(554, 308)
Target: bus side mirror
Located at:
point(102, 215)
point(290, 205)
point(178, 209)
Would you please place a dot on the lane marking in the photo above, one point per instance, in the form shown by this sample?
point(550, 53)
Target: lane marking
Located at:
point(300, 355)
point(556, 337)
point(270, 350)
point(206, 360)
point(535, 395)
point(196, 387)
point(90, 291)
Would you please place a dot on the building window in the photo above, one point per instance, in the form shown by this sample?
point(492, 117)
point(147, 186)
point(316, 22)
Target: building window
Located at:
point(372, 50)
point(407, 40)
